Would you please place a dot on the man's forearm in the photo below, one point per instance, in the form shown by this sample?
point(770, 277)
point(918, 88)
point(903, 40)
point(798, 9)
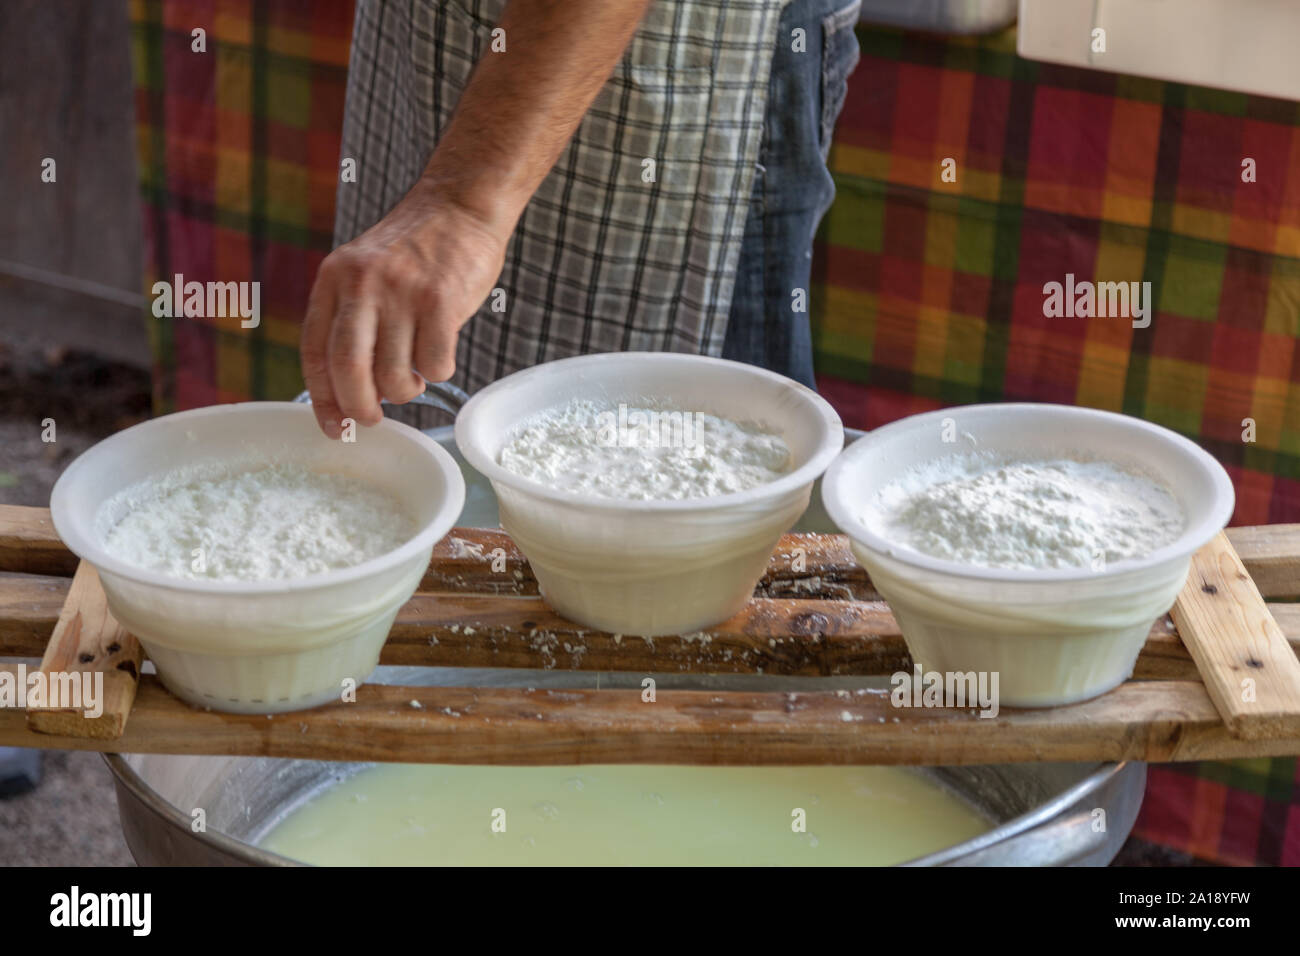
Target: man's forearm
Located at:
point(395, 298)
point(522, 106)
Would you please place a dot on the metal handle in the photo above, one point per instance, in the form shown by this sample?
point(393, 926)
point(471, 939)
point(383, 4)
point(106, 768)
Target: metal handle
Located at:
point(442, 395)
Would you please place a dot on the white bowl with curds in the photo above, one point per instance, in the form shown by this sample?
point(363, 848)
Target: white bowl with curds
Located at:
point(260, 646)
point(661, 566)
point(1053, 636)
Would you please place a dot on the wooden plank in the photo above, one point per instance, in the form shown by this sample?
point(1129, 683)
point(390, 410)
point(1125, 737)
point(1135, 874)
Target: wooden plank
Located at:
point(1161, 721)
point(481, 561)
point(770, 636)
point(478, 561)
point(1271, 554)
point(833, 638)
point(89, 645)
point(29, 608)
point(1288, 618)
point(1249, 670)
point(1172, 719)
point(477, 631)
point(28, 543)
point(815, 566)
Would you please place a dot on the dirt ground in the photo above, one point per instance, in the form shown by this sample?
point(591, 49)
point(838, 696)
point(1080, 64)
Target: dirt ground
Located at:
point(86, 398)
point(69, 820)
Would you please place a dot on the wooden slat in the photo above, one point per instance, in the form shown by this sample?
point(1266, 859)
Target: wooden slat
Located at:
point(1164, 721)
point(1271, 554)
point(28, 543)
point(29, 608)
point(1249, 670)
point(1288, 618)
point(480, 631)
point(88, 642)
point(480, 561)
point(798, 624)
point(816, 566)
point(770, 636)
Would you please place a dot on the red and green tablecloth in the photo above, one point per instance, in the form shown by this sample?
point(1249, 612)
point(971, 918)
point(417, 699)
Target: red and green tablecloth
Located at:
point(239, 160)
point(927, 293)
point(931, 293)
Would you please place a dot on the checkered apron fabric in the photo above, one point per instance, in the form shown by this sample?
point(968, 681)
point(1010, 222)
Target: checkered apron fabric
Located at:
point(612, 253)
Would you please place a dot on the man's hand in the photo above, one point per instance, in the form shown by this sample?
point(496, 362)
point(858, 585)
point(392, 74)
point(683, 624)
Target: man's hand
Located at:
point(386, 308)
point(395, 297)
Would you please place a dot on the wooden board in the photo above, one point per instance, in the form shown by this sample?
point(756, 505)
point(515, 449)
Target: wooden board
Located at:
point(90, 648)
point(28, 543)
point(1249, 670)
point(30, 606)
point(1271, 556)
point(474, 630)
point(1169, 720)
point(481, 561)
point(814, 616)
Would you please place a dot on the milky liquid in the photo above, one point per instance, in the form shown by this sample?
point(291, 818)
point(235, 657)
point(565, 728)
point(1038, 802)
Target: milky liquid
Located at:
point(414, 815)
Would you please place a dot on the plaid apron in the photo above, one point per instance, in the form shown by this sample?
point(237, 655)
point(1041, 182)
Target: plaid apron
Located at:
point(632, 241)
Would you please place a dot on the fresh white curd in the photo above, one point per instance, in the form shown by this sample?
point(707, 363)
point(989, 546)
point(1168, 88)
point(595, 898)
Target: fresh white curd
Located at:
point(280, 522)
point(643, 453)
point(1027, 513)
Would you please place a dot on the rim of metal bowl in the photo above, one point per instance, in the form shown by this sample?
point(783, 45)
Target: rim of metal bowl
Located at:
point(1016, 826)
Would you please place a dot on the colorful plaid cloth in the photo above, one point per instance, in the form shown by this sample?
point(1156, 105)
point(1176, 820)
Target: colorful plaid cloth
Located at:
point(930, 292)
point(239, 160)
point(1242, 812)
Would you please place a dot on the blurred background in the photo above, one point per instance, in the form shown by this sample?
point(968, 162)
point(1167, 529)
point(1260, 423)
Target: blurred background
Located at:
point(928, 292)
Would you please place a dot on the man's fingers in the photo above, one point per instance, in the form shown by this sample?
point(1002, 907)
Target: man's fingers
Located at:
point(352, 359)
point(393, 375)
point(435, 350)
point(315, 357)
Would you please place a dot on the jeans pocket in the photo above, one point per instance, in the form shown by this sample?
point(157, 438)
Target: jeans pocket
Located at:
point(840, 55)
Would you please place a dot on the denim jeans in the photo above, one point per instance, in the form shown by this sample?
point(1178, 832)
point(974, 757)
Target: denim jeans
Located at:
point(768, 322)
point(20, 770)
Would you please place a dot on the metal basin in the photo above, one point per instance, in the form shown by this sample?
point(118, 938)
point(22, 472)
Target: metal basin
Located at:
point(1046, 812)
point(1043, 814)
